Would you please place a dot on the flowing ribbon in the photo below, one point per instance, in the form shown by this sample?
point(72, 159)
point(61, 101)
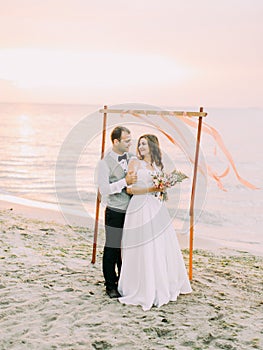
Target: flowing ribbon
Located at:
point(219, 141)
point(170, 138)
point(207, 129)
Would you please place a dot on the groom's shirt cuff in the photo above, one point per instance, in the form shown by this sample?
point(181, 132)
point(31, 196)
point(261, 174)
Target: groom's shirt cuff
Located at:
point(105, 187)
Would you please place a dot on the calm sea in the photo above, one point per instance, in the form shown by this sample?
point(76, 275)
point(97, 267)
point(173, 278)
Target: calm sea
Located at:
point(39, 143)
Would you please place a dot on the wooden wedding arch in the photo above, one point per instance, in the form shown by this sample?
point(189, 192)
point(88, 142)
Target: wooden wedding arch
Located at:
point(105, 111)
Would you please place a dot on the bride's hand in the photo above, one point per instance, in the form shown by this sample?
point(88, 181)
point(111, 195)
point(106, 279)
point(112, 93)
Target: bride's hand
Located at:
point(155, 189)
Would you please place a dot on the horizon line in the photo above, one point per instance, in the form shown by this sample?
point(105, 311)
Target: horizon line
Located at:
point(103, 104)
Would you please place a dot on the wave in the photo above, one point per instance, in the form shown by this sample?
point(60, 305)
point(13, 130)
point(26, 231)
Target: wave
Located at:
point(43, 205)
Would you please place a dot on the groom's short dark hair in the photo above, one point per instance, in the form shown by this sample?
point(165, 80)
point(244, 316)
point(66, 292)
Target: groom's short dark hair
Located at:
point(116, 132)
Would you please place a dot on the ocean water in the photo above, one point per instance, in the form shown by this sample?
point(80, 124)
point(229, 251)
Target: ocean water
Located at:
point(49, 155)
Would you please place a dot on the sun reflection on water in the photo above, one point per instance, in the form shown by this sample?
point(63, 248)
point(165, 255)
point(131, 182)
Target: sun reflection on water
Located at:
point(25, 126)
point(27, 133)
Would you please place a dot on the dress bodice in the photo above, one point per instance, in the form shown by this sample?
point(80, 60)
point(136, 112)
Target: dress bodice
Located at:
point(144, 175)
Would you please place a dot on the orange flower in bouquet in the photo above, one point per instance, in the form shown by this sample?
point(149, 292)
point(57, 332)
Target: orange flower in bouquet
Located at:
point(164, 180)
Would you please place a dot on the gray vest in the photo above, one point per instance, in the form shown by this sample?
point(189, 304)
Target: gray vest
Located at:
point(116, 200)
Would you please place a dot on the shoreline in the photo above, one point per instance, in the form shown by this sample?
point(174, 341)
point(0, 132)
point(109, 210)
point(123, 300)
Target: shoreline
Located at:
point(56, 216)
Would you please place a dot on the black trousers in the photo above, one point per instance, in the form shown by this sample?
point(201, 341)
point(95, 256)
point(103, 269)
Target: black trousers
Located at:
point(114, 221)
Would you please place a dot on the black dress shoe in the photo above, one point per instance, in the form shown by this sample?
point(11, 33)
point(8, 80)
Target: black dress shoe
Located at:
point(113, 293)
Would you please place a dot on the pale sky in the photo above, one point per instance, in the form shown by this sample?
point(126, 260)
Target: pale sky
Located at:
point(161, 52)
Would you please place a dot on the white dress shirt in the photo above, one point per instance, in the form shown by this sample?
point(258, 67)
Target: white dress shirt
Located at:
point(105, 186)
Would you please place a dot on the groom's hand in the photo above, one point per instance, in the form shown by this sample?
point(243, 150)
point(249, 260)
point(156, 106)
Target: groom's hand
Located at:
point(131, 178)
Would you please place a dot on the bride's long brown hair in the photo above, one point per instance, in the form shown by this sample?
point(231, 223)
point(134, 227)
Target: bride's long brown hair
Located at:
point(155, 152)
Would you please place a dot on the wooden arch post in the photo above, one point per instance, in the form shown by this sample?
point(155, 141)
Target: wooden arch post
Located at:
point(191, 238)
point(95, 237)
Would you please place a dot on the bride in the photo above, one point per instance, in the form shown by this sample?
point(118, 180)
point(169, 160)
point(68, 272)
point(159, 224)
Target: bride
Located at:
point(153, 270)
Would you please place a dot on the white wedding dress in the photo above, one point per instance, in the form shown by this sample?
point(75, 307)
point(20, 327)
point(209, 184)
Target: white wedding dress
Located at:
point(153, 270)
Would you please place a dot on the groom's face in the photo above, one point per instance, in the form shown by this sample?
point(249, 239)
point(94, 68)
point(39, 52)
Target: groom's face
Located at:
point(124, 144)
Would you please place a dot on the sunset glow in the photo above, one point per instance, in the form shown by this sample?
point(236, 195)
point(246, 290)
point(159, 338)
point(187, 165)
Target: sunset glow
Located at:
point(91, 52)
point(30, 68)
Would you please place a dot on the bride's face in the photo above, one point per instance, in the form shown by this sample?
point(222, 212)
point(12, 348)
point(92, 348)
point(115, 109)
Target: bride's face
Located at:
point(143, 147)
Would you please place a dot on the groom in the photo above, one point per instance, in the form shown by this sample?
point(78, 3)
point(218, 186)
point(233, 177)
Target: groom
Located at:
point(113, 178)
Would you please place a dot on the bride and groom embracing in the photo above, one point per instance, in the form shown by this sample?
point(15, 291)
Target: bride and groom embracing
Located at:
point(142, 260)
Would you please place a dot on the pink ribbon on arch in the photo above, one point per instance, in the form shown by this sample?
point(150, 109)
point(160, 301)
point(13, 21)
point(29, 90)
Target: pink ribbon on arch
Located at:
point(210, 171)
point(219, 141)
point(207, 129)
point(170, 138)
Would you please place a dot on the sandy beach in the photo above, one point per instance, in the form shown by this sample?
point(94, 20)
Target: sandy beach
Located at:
point(52, 297)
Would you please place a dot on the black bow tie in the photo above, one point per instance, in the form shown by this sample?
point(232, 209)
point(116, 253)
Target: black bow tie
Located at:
point(124, 156)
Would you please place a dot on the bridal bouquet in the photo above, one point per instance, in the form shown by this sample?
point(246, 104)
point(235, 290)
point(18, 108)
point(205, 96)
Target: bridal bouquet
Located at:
point(163, 180)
